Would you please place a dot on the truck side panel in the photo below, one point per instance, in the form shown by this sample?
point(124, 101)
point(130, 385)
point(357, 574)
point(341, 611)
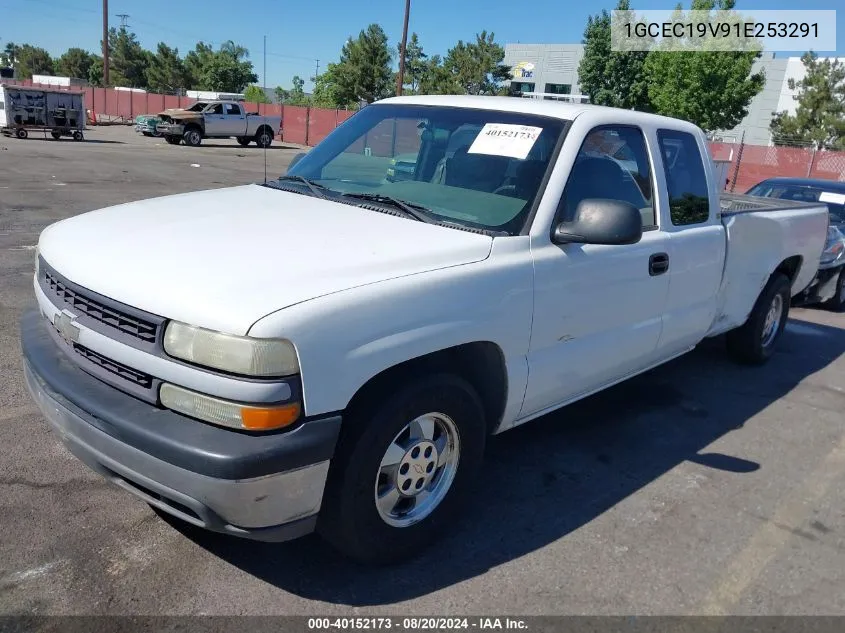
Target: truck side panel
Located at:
point(758, 242)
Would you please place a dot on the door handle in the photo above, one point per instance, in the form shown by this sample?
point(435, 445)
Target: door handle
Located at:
point(658, 264)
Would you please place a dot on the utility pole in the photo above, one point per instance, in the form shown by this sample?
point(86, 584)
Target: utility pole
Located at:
point(400, 79)
point(106, 43)
point(317, 72)
point(123, 17)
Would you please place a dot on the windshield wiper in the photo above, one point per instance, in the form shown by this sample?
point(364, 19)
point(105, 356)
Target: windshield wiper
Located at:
point(314, 187)
point(415, 211)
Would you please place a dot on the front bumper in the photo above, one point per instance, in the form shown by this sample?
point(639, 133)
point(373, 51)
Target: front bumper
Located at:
point(266, 487)
point(170, 129)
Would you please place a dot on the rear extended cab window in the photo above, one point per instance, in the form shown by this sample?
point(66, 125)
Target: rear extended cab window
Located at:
point(686, 180)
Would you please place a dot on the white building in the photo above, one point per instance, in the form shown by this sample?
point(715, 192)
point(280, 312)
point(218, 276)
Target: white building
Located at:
point(549, 70)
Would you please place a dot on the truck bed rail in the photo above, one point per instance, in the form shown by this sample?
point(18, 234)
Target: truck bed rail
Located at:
point(734, 203)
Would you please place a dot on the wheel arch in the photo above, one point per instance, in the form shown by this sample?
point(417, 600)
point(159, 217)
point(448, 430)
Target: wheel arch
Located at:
point(480, 363)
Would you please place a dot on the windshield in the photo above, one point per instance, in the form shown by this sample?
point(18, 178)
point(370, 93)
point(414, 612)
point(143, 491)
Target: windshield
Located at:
point(482, 169)
point(197, 107)
point(834, 200)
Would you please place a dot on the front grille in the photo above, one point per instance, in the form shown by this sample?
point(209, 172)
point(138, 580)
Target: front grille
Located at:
point(127, 373)
point(99, 309)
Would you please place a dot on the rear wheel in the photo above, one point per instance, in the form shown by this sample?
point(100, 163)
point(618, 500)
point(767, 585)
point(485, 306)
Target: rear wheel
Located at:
point(192, 137)
point(244, 141)
point(754, 343)
point(21, 133)
point(264, 137)
point(837, 302)
point(403, 469)
point(56, 135)
point(77, 136)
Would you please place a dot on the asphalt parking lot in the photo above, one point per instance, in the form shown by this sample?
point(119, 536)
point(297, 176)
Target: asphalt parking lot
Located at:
point(697, 488)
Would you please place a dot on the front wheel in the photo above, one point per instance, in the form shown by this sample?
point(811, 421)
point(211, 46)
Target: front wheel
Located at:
point(837, 301)
point(403, 470)
point(173, 140)
point(192, 137)
point(21, 133)
point(56, 135)
point(754, 343)
point(243, 141)
point(77, 136)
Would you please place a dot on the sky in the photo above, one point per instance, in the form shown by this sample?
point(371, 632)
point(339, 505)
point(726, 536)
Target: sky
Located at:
point(300, 33)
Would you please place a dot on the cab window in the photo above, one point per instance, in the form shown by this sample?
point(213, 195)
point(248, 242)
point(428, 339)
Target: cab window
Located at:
point(612, 163)
point(685, 178)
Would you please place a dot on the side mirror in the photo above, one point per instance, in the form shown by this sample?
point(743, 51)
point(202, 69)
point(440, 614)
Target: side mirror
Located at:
point(296, 159)
point(601, 221)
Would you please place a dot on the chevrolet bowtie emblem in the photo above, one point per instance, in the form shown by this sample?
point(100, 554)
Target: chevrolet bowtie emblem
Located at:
point(65, 324)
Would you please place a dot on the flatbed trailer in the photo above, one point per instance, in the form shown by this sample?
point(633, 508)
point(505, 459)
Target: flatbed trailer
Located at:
point(25, 109)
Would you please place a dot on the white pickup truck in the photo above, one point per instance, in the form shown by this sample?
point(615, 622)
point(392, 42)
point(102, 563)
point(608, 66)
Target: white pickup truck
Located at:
point(217, 119)
point(330, 350)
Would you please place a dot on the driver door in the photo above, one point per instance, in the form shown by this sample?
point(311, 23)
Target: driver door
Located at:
point(214, 120)
point(598, 308)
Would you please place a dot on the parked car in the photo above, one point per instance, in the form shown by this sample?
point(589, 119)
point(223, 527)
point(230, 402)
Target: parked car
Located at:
point(218, 119)
point(330, 350)
point(146, 124)
point(828, 287)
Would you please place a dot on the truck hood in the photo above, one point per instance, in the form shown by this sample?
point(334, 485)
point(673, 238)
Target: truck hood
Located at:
point(179, 113)
point(223, 259)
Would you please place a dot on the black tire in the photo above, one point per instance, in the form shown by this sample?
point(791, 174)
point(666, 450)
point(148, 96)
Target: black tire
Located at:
point(349, 518)
point(21, 133)
point(192, 137)
point(264, 137)
point(147, 133)
point(77, 136)
point(173, 140)
point(837, 302)
point(747, 344)
point(244, 141)
point(56, 135)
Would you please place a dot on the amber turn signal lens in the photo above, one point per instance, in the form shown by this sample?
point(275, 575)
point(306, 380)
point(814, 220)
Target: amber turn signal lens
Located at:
point(255, 419)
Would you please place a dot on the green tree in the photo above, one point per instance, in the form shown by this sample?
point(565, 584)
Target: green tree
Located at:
point(255, 94)
point(612, 78)
point(435, 78)
point(227, 69)
point(95, 72)
point(710, 88)
point(9, 56)
point(128, 61)
point(476, 67)
point(75, 62)
point(331, 89)
point(415, 64)
point(32, 60)
point(364, 71)
point(166, 71)
point(820, 114)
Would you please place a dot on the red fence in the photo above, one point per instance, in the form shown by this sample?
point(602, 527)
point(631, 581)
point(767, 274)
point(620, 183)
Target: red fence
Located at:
point(308, 126)
point(752, 163)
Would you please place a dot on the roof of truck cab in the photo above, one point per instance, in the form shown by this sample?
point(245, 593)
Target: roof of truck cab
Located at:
point(541, 107)
point(830, 185)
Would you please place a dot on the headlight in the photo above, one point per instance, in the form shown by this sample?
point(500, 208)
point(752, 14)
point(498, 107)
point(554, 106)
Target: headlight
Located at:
point(235, 354)
point(834, 248)
point(230, 414)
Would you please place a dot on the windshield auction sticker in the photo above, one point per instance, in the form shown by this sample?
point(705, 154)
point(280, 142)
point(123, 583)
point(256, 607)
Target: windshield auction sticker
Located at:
point(505, 139)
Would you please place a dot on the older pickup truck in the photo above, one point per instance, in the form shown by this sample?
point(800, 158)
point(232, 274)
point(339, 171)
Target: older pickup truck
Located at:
point(217, 119)
point(330, 350)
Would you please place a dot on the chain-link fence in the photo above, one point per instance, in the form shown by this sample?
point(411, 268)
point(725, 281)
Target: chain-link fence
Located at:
point(749, 164)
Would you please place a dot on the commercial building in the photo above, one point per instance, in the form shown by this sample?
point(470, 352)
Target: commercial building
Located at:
point(545, 70)
point(551, 71)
